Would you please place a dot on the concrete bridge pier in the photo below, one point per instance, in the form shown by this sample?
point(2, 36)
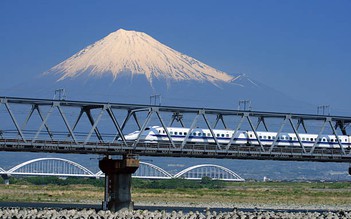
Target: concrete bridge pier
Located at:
point(118, 178)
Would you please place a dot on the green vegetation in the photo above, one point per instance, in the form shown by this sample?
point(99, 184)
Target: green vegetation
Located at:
point(136, 183)
point(51, 180)
point(87, 190)
point(206, 182)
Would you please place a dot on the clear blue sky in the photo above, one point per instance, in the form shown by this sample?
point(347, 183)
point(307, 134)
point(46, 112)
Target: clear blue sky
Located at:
point(300, 47)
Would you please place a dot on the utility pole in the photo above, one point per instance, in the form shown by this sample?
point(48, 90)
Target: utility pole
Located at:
point(154, 99)
point(244, 105)
point(323, 109)
point(60, 94)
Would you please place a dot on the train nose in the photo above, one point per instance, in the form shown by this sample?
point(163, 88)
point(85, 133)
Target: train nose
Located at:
point(132, 136)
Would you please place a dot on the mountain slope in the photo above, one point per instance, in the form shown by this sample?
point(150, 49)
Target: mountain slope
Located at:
point(139, 54)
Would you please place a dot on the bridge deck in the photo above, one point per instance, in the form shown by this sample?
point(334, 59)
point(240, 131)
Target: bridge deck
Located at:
point(189, 150)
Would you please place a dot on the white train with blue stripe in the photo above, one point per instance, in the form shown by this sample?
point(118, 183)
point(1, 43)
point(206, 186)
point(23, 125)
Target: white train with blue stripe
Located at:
point(158, 134)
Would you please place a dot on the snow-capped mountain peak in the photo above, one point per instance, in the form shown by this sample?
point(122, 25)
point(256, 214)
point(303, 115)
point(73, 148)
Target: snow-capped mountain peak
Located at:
point(136, 53)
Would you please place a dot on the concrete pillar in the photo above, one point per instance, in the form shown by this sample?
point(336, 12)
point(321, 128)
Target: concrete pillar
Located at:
point(118, 178)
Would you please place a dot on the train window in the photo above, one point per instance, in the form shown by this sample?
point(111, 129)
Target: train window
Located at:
point(217, 135)
point(332, 140)
point(290, 138)
point(323, 139)
point(273, 137)
point(209, 134)
point(194, 134)
point(311, 139)
point(175, 133)
point(159, 131)
point(147, 129)
point(260, 137)
point(269, 137)
point(185, 133)
point(227, 135)
point(204, 134)
point(180, 133)
point(171, 133)
point(303, 139)
point(250, 135)
point(264, 137)
point(222, 135)
point(163, 131)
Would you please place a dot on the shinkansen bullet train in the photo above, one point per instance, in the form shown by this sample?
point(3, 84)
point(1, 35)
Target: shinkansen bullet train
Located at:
point(156, 134)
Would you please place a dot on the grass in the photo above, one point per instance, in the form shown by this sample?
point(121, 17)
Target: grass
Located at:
point(267, 193)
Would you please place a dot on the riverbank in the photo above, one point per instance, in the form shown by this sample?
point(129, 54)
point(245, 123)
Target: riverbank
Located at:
point(246, 195)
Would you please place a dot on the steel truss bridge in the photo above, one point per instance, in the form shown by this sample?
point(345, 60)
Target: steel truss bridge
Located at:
point(65, 168)
point(63, 126)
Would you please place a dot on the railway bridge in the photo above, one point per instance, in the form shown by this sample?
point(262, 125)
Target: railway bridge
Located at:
point(80, 127)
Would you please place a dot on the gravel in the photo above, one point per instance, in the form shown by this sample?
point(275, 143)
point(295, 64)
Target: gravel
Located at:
point(33, 213)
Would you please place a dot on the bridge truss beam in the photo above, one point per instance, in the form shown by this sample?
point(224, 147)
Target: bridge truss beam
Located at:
point(100, 128)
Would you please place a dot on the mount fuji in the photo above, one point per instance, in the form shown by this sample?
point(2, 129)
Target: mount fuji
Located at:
point(139, 54)
point(130, 66)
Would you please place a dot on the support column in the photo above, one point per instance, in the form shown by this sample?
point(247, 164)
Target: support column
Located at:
point(118, 178)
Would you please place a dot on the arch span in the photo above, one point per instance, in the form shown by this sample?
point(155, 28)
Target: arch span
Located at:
point(147, 171)
point(213, 171)
point(151, 171)
point(51, 167)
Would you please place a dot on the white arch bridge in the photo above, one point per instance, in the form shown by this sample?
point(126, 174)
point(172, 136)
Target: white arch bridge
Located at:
point(66, 168)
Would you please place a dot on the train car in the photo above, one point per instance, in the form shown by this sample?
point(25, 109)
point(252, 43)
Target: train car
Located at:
point(156, 134)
